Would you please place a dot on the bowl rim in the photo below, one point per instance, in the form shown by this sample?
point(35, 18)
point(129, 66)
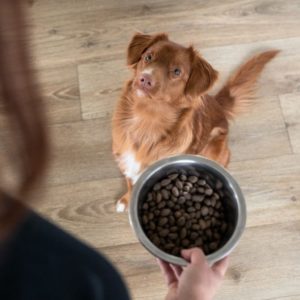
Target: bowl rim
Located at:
point(183, 159)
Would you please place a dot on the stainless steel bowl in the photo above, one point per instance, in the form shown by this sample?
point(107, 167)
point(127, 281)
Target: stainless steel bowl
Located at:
point(234, 203)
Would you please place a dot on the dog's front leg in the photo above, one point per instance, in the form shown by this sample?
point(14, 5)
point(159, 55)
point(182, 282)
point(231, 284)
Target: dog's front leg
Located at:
point(122, 203)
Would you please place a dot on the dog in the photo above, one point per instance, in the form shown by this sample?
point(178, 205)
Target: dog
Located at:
point(165, 110)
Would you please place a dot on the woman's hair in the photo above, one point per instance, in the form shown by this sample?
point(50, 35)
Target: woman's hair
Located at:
point(22, 105)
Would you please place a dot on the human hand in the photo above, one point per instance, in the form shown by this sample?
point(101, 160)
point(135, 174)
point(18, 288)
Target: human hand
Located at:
point(196, 281)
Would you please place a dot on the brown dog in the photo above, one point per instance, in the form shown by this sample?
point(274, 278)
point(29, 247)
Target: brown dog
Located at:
point(164, 109)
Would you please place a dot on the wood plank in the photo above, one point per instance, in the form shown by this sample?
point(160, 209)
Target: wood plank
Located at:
point(100, 87)
point(260, 132)
point(60, 90)
point(81, 152)
point(102, 32)
point(271, 188)
point(265, 265)
point(273, 82)
point(241, 11)
point(290, 104)
point(291, 297)
point(87, 210)
point(60, 94)
point(40, 8)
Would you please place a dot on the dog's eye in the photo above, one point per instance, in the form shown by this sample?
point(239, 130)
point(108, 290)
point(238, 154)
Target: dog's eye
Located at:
point(148, 57)
point(177, 72)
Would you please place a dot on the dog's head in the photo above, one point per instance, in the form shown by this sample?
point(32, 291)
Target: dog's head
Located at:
point(167, 71)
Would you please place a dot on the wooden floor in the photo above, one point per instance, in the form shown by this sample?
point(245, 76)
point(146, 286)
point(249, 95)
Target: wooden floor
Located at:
point(79, 50)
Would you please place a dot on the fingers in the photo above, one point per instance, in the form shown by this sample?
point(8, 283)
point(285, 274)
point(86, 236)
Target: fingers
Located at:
point(221, 266)
point(167, 271)
point(194, 255)
point(177, 270)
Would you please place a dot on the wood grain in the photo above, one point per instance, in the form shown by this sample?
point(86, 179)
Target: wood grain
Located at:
point(271, 188)
point(290, 104)
point(87, 209)
point(104, 29)
point(82, 152)
point(60, 88)
point(260, 132)
point(227, 58)
point(100, 87)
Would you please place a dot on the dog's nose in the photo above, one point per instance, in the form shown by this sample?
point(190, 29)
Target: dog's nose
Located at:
point(146, 81)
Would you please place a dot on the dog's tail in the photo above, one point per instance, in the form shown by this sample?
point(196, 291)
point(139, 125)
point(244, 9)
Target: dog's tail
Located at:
point(239, 90)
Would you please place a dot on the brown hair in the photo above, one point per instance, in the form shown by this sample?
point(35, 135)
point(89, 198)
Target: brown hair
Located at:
point(23, 108)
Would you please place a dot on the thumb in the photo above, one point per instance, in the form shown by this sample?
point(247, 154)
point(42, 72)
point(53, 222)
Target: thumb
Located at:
point(194, 256)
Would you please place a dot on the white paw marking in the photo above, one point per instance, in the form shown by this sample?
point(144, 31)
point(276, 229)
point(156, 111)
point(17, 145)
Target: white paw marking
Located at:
point(120, 207)
point(130, 166)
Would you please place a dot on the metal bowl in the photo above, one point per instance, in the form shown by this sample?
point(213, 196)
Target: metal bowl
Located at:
point(233, 200)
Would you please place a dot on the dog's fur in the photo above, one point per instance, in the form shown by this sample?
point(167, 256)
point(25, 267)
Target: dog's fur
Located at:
point(164, 112)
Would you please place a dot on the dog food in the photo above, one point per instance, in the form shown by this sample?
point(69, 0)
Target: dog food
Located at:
point(183, 211)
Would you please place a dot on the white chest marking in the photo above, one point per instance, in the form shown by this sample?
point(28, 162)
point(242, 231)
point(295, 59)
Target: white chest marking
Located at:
point(130, 166)
point(140, 93)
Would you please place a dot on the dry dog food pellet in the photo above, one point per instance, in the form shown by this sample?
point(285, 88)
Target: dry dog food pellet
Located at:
point(184, 211)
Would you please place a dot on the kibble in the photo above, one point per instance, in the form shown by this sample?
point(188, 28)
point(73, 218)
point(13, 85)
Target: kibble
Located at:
point(183, 210)
point(183, 233)
point(171, 220)
point(173, 176)
point(165, 212)
point(193, 179)
point(165, 182)
point(163, 232)
point(204, 211)
point(181, 221)
point(178, 214)
point(209, 192)
point(185, 242)
point(183, 177)
point(179, 184)
point(175, 191)
point(169, 186)
point(198, 198)
point(162, 221)
point(156, 187)
point(158, 197)
point(170, 204)
point(165, 194)
point(161, 205)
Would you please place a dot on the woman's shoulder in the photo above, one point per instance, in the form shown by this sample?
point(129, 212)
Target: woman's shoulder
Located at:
point(44, 259)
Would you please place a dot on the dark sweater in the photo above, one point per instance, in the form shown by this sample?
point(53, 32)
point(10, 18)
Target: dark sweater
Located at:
point(42, 262)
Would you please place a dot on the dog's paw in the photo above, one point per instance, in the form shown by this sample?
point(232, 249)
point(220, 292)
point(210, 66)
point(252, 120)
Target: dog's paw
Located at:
point(121, 205)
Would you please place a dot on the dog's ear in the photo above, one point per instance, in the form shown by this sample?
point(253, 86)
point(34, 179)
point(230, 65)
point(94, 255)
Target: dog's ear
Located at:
point(202, 76)
point(140, 43)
